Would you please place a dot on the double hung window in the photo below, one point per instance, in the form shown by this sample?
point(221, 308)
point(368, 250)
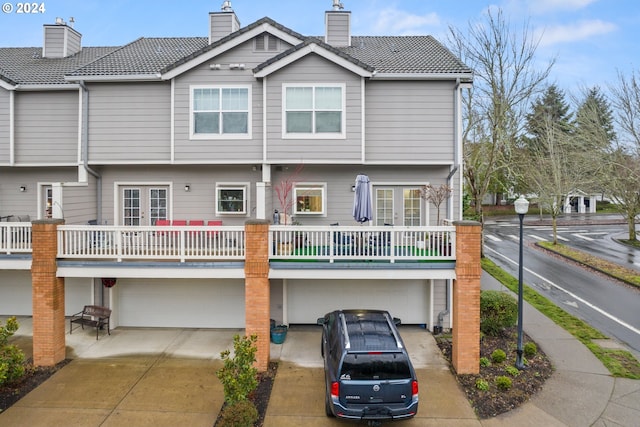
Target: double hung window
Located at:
point(220, 111)
point(313, 110)
point(231, 199)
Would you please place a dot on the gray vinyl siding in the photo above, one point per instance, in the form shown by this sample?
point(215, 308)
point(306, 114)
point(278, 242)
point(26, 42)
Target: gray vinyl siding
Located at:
point(314, 69)
point(338, 28)
point(130, 122)
point(340, 178)
point(79, 203)
point(54, 42)
point(46, 127)
point(221, 150)
point(14, 202)
point(5, 122)
point(198, 203)
point(410, 121)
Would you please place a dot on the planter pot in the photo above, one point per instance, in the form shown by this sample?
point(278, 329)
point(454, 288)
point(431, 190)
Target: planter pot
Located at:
point(278, 334)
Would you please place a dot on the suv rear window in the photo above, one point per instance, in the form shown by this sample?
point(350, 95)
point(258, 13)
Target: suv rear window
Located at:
point(376, 366)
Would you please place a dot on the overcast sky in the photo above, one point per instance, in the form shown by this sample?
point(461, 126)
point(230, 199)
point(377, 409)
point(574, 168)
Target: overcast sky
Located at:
point(590, 39)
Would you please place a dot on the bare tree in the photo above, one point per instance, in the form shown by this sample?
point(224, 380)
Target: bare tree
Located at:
point(436, 195)
point(284, 191)
point(506, 76)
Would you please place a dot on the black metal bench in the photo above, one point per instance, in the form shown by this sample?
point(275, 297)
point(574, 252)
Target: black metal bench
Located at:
point(94, 316)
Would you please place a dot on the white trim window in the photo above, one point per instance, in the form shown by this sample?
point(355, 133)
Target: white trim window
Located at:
point(310, 199)
point(220, 112)
point(232, 199)
point(313, 110)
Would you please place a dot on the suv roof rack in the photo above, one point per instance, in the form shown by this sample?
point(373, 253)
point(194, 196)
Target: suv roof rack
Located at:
point(371, 331)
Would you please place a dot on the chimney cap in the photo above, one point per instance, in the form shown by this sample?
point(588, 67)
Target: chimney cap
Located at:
point(337, 5)
point(226, 6)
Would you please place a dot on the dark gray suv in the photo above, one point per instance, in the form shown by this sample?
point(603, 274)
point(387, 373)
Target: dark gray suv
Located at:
point(368, 373)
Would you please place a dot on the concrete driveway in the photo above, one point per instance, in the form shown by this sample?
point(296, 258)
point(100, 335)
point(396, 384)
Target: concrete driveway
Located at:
point(166, 377)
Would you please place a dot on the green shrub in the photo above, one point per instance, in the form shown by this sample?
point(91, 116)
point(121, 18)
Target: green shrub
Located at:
point(498, 310)
point(503, 383)
point(513, 371)
point(530, 349)
point(484, 361)
point(482, 384)
point(238, 375)
point(239, 414)
point(498, 356)
point(11, 357)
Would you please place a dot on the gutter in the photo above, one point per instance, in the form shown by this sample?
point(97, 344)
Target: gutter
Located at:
point(85, 150)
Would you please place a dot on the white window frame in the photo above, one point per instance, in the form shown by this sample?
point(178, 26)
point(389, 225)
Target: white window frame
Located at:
point(199, 136)
point(313, 134)
point(243, 186)
point(306, 186)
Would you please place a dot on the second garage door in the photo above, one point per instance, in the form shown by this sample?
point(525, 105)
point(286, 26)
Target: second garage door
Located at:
point(407, 299)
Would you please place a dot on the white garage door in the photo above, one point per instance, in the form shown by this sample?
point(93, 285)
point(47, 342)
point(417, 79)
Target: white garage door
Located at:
point(15, 293)
point(180, 303)
point(309, 299)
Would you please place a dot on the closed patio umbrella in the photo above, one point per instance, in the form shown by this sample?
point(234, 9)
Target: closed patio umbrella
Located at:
point(362, 210)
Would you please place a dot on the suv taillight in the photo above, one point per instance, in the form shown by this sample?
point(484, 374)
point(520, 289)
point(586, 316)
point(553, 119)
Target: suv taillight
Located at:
point(335, 389)
point(414, 388)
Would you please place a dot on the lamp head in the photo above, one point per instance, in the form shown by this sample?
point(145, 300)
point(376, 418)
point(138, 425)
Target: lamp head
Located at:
point(521, 205)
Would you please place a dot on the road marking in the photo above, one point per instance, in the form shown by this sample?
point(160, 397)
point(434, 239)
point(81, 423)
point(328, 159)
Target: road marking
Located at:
point(562, 238)
point(571, 294)
point(582, 236)
point(492, 237)
point(533, 236)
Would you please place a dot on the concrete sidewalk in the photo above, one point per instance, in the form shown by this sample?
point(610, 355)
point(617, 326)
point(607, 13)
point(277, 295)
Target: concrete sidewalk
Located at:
point(166, 377)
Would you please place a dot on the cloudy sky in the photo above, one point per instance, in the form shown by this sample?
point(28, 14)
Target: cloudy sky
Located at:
point(591, 39)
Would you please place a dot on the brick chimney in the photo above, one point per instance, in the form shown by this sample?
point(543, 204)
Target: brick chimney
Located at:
point(337, 26)
point(222, 23)
point(60, 40)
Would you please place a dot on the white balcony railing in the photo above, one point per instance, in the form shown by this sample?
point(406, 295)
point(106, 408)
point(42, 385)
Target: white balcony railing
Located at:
point(213, 243)
point(362, 243)
point(178, 243)
point(15, 237)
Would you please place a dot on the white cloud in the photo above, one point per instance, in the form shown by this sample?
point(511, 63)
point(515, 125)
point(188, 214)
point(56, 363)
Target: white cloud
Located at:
point(573, 32)
point(397, 22)
point(543, 6)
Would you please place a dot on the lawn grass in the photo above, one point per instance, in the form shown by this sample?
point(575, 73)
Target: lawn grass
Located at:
point(620, 363)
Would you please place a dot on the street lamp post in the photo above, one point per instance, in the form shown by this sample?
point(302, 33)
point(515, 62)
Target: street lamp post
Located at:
point(522, 206)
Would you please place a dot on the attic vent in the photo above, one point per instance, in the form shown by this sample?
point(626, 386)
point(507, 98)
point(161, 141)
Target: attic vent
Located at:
point(266, 42)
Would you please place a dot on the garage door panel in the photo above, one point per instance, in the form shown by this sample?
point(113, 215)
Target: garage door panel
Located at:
point(176, 303)
point(310, 299)
point(15, 293)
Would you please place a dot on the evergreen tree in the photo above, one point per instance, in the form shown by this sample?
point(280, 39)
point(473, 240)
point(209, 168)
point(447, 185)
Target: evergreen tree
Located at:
point(550, 109)
point(594, 122)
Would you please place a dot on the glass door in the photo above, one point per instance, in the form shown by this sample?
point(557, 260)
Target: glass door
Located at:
point(398, 206)
point(144, 205)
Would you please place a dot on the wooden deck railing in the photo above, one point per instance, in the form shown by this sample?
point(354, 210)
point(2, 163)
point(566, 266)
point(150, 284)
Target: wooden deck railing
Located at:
point(216, 243)
point(15, 237)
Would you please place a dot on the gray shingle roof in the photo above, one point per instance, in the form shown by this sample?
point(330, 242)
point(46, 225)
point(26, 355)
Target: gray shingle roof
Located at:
point(143, 56)
point(25, 65)
point(151, 56)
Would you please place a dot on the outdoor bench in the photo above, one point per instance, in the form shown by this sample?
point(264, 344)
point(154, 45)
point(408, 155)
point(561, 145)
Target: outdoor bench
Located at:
point(94, 316)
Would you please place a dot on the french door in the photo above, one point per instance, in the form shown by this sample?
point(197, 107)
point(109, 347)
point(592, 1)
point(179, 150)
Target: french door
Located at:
point(398, 206)
point(144, 205)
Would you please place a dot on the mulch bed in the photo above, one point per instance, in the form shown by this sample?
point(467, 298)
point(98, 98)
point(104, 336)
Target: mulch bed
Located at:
point(492, 402)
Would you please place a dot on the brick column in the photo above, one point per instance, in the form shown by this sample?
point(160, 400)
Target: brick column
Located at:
point(466, 298)
point(257, 291)
point(47, 295)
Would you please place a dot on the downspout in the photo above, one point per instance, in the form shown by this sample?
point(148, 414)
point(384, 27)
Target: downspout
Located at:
point(85, 150)
point(457, 120)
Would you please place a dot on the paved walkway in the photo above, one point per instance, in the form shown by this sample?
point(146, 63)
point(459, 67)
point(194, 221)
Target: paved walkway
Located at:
point(166, 377)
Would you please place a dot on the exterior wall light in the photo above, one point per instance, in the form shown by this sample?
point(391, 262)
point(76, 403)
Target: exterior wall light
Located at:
point(23, 188)
point(187, 187)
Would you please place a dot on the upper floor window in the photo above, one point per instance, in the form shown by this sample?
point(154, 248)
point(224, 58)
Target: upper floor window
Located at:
point(314, 110)
point(220, 112)
point(266, 42)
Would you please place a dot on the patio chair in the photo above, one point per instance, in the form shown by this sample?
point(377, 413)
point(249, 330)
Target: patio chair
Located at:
point(214, 223)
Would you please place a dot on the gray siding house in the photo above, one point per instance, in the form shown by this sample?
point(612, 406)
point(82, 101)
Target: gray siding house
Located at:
point(209, 132)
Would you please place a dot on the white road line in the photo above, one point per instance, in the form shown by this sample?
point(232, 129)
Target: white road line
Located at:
point(492, 237)
point(533, 236)
point(562, 238)
point(582, 236)
point(574, 296)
